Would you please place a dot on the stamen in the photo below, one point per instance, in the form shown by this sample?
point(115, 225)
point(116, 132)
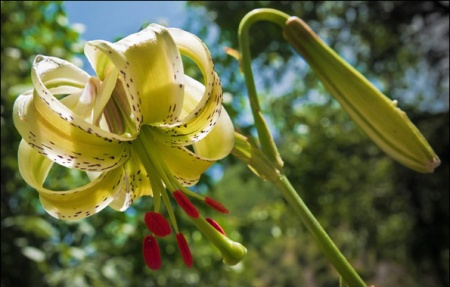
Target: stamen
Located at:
point(157, 224)
point(216, 205)
point(184, 249)
point(186, 204)
point(151, 253)
point(215, 225)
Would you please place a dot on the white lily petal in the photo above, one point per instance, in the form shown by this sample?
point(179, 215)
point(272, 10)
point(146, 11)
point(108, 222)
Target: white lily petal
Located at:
point(193, 129)
point(57, 132)
point(207, 98)
point(123, 200)
point(185, 166)
point(182, 163)
point(72, 204)
point(92, 175)
point(220, 140)
point(105, 91)
point(80, 102)
point(83, 110)
point(192, 47)
point(51, 72)
point(139, 184)
point(65, 90)
point(151, 69)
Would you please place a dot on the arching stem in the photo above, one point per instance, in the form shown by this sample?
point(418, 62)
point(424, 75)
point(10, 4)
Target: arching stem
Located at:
point(267, 163)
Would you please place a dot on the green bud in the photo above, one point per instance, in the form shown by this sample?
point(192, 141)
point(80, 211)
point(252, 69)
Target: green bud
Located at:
point(379, 117)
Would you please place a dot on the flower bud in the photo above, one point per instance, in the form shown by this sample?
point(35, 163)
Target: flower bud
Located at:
point(377, 115)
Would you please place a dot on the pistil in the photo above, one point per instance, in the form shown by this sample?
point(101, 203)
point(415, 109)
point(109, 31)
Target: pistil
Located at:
point(232, 252)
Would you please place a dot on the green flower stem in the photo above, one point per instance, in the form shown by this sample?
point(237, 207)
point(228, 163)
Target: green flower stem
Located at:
point(326, 243)
point(267, 163)
point(264, 168)
point(266, 140)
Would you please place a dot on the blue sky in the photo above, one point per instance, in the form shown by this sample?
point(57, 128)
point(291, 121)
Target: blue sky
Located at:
point(108, 20)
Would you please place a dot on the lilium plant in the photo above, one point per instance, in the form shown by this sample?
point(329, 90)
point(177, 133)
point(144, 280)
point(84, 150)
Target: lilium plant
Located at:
point(141, 127)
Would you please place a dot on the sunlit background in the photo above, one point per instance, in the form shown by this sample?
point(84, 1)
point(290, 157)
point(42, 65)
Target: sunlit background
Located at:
point(391, 223)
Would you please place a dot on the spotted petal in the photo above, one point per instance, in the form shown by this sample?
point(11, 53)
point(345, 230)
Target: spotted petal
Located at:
point(220, 140)
point(187, 166)
point(56, 131)
point(138, 184)
point(72, 204)
point(151, 69)
point(202, 105)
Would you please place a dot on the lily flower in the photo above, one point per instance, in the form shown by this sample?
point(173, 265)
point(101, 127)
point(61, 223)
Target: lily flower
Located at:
point(378, 116)
point(141, 127)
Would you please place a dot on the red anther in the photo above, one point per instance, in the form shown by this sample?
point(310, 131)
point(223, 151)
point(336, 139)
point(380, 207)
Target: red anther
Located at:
point(216, 205)
point(184, 249)
point(151, 253)
point(186, 204)
point(215, 225)
point(157, 224)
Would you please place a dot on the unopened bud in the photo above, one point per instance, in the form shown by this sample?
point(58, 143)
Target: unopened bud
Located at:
point(377, 115)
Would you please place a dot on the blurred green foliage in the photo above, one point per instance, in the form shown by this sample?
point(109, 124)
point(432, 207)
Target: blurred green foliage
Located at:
point(391, 223)
point(28, 28)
